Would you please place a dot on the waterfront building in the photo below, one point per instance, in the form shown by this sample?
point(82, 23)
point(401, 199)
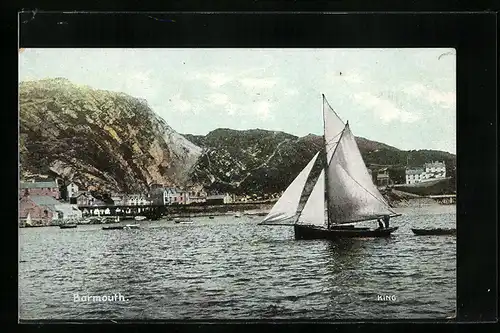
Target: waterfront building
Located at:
point(44, 209)
point(72, 190)
point(118, 199)
point(136, 200)
point(45, 188)
point(196, 195)
point(85, 198)
point(220, 199)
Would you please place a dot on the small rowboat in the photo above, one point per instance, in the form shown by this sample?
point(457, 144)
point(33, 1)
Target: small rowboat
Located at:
point(434, 232)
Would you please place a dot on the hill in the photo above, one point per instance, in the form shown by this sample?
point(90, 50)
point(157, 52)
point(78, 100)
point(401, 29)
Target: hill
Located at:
point(101, 140)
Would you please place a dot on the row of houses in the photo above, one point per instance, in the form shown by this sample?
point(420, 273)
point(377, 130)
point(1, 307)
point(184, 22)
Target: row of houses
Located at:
point(158, 195)
point(430, 171)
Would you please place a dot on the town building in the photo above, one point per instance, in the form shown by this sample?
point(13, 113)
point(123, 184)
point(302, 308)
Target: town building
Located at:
point(414, 175)
point(430, 171)
point(196, 195)
point(118, 199)
point(44, 209)
point(85, 198)
point(45, 188)
point(72, 190)
point(136, 200)
point(435, 170)
point(383, 178)
point(220, 199)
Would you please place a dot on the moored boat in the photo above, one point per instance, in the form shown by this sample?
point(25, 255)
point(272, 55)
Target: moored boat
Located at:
point(183, 220)
point(140, 218)
point(434, 232)
point(132, 226)
point(67, 226)
point(343, 193)
point(113, 227)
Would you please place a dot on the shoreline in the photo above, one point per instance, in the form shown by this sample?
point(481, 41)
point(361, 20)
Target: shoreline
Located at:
point(246, 209)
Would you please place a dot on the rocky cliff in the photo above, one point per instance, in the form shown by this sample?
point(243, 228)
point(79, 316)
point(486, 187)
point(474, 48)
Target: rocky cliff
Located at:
point(99, 139)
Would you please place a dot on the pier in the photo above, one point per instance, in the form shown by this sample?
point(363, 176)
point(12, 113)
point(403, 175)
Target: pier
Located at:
point(444, 199)
point(155, 212)
point(152, 212)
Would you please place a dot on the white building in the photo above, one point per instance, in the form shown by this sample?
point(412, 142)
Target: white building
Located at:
point(415, 175)
point(66, 211)
point(137, 200)
point(173, 196)
point(435, 170)
point(430, 171)
point(72, 190)
point(196, 195)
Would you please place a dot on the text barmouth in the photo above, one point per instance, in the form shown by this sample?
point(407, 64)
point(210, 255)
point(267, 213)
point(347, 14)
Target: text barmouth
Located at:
point(102, 298)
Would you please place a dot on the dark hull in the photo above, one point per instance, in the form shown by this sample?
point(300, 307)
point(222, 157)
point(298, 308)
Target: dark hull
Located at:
point(434, 232)
point(69, 226)
point(311, 232)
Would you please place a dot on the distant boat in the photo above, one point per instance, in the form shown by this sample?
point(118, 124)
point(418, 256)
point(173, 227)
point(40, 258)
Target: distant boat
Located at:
point(131, 226)
point(211, 217)
point(183, 220)
point(140, 218)
point(29, 222)
point(237, 215)
point(434, 232)
point(67, 226)
point(113, 227)
point(343, 193)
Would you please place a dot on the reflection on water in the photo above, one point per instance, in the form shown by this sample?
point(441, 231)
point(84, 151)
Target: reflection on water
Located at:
point(227, 268)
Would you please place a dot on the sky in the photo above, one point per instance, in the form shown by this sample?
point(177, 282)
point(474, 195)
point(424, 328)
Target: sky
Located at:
point(402, 97)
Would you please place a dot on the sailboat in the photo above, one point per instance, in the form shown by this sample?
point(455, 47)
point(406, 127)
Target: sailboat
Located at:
point(343, 193)
point(29, 222)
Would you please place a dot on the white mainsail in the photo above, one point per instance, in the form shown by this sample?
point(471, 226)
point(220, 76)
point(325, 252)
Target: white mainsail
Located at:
point(352, 196)
point(285, 209)
point(313, 212)
point(333, 128)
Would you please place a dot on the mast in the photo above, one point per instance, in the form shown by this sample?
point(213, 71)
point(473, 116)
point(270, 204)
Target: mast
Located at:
point(325, 165)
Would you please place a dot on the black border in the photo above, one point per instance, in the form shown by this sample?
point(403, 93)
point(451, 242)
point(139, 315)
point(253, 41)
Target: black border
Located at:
point(474, 36)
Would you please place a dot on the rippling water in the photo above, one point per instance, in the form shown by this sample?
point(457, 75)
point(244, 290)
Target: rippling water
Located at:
point(230, 268)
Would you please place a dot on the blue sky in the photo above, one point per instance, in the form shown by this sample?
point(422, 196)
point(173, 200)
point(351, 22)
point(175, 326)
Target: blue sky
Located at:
point(401, 97)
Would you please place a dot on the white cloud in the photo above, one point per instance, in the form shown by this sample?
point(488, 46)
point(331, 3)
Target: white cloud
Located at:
point(445, 99)
point(386, 110)
point(352, 77)
point(214, 79)
point(258, 83)
point(218, 79)
point(218, 99)
point(263, 110)
point(179, 104)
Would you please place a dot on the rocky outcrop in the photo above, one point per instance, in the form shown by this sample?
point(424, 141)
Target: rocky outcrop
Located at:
point(101, 140)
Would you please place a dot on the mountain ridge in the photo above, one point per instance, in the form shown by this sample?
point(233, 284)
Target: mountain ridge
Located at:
point(111, 141)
